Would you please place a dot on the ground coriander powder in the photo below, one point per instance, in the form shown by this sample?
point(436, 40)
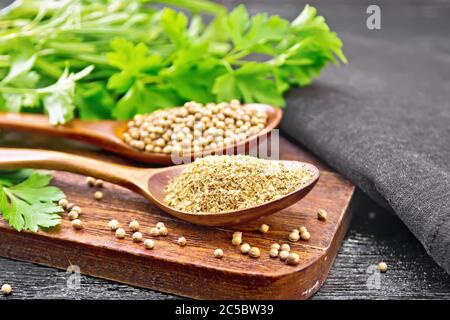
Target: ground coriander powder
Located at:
point(216, 184)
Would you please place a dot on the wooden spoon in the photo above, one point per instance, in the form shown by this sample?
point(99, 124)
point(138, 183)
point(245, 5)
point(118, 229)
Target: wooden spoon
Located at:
point(108, 134)
point(149, 183)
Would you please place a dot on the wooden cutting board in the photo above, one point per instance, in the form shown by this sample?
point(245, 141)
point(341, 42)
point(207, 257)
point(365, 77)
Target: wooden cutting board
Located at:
point(190, 271)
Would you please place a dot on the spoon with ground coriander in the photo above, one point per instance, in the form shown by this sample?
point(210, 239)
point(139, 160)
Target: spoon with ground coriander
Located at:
point(261, 187)
point(183, 132)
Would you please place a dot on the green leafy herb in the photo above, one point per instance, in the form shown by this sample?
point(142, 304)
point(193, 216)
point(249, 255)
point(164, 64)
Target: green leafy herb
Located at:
point(27, 202)
point(113, 59)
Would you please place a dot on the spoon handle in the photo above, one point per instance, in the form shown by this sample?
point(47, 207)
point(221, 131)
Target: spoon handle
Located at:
point(11, 158)
point(31, 123)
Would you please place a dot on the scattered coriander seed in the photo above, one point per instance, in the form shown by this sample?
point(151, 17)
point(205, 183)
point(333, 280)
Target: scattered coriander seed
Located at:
point(134, 225)
point(113, 225)
point(181, 241)
point(63, 203)
point(236, 241)
point(120, 233)
point(237, 234)
point(137, 237)
point(90, 181)
point(285, 247)
point(264, 228)
point(163, 231)
point(294, 236)
point(149, 244)
point(302, 229)
point(275, 246)
point(6, 289)
point(160, 225)
point(98, 195)
point(305, 236)
point(273, 253)
point(218, 253)
point(99, 183)
point(254, 252)
point(73, 215)
point(293, 259)
point(77, 224)
point(76, 209)
point(154, 232)
point(69, 206)
point(283, 254)
point(295, 231)
point(322, 214)
point(382, 266)
point(245, 248)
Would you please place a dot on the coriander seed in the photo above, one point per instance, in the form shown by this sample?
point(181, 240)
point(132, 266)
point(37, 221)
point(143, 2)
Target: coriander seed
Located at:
point(137, 237)
point(275, 246)
point(322, 214)
point(160, 225)
point(237, 234)
point(113, 225)
point(69, 206)
point(98, 195)
point(73, 215)
point(382, 266)
point(293, 259)
point(181, 241)
point(273, 253)
point(285, 247)
point(6, 289)
point(303, 229)
point(283, 254)
point(294, 236)
point(305, 236)
point(154, 232)
point(163, 231)
point(245, 248)
point(189, 128)
point(63, 203)
point(120, 233)
point(254, 252)
point(218, 253)
point(134, 225)
point(236, 241)
point(90, 181)
point(76, 209)
point(264, 228)
point(77, 224)
point(99, 183)
point(149, 244)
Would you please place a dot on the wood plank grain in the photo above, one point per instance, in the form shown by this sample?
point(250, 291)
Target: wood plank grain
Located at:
point(191, 271)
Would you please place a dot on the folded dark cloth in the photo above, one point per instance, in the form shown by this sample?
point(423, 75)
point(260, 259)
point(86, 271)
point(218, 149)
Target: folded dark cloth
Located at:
point(384, 122)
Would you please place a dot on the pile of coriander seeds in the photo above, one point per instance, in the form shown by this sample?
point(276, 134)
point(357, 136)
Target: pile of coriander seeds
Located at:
point(194, 128)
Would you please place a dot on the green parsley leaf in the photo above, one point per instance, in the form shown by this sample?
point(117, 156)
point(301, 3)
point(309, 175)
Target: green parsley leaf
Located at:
point(30, 204)
point(147, 57)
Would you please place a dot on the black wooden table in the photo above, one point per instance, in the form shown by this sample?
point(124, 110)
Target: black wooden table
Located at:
point(375, 234)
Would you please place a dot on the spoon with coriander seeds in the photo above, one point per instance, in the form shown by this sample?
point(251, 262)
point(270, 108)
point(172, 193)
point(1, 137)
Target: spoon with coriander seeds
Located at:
point(223, 190)
point(166, 135)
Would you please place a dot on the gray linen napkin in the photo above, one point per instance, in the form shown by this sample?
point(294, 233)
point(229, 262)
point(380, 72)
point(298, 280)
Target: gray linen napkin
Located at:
point(384, 122)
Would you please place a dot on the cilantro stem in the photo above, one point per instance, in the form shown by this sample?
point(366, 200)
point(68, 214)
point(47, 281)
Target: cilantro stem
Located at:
point(11, 90)
point(239, 55)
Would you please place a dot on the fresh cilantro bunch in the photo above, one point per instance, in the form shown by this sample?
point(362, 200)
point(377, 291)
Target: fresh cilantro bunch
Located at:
point(27, 202)
point(112, 59)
